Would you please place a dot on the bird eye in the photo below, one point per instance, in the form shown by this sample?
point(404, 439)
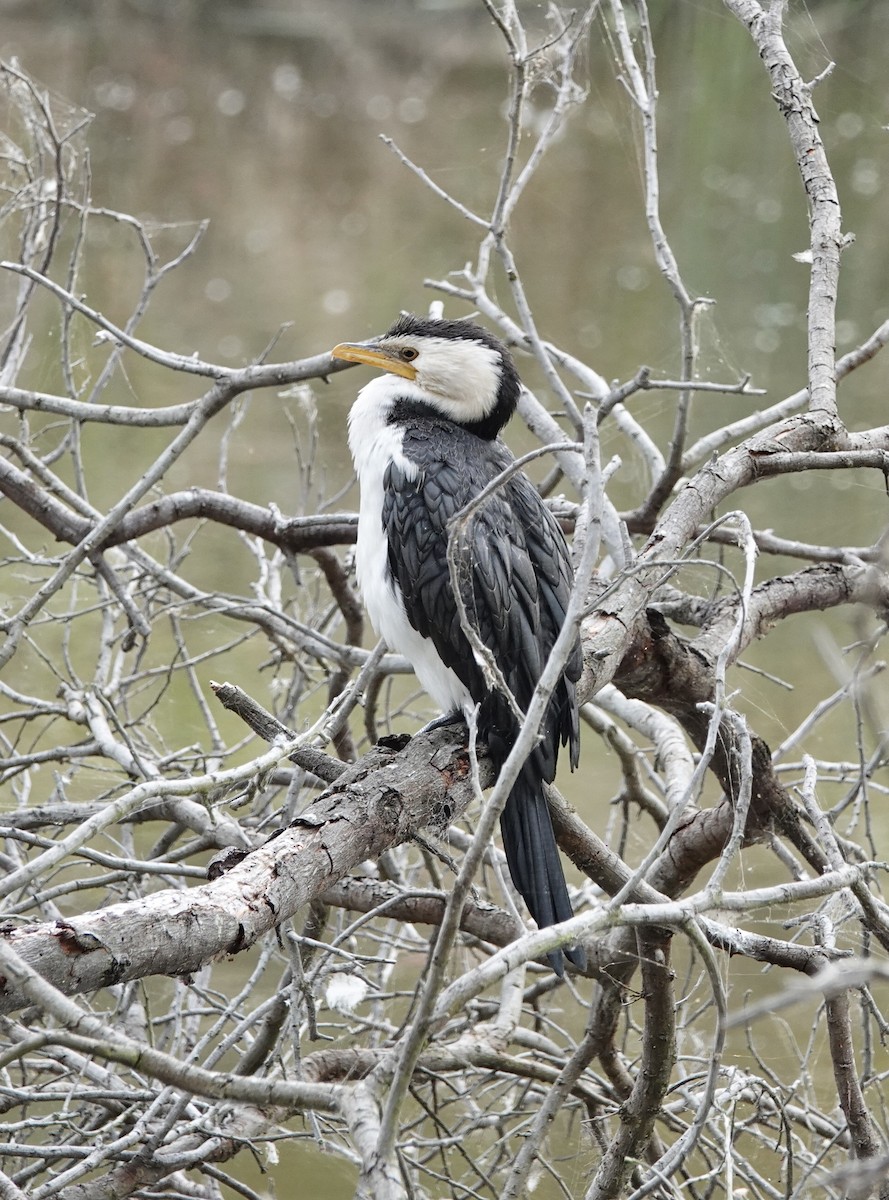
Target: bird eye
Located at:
point(409, 353)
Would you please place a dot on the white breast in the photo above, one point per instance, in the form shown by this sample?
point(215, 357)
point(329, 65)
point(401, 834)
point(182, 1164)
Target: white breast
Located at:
point(374, 445)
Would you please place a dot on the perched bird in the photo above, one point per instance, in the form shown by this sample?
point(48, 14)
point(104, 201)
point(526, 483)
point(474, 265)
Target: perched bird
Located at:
point(424, 439)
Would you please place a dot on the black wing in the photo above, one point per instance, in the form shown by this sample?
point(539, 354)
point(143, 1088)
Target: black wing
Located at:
point(514, 566)
point(515, 579)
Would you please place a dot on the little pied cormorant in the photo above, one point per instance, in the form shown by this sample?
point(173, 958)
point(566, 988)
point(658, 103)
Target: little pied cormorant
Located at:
point(424, 439)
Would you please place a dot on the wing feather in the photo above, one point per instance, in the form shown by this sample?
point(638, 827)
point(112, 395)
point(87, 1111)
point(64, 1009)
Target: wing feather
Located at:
point(515, 577)
point(513, 560)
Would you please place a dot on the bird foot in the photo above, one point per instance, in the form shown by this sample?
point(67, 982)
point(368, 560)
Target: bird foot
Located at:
point(398, 741)
point(450, 718)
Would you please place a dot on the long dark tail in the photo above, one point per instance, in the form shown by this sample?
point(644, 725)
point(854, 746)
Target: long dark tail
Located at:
point(533, 858)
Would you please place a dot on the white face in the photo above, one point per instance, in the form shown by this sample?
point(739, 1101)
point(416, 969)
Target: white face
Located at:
point(460, 377)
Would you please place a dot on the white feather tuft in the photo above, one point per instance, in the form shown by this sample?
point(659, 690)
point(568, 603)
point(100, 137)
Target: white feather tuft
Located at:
point(344, 993)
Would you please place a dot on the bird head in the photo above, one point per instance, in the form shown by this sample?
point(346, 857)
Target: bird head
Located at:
point(456, 368)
